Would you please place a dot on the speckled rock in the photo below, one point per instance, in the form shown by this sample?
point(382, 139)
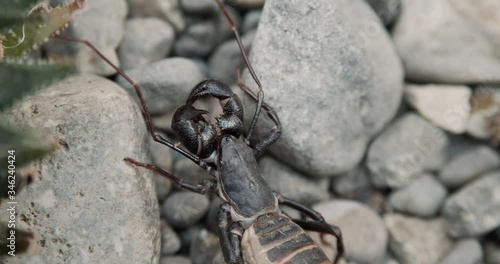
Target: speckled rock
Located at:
point(363, 231)
point(183, 209)
point(165, 84)
point(446, 106)
point(422, 197)
point(464, 251)
point(146, 40)
point(409, 146)
point(320, 57)
point(417, 241)
point(475, 209)
point(469, 165)
point(97, 125)
point(463, 53)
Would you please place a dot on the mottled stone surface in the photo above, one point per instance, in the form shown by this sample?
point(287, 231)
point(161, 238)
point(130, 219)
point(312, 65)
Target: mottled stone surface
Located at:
point(88, 203)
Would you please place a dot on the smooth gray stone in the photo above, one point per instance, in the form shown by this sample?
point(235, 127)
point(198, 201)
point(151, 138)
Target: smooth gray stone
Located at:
point(323, 76)
point(422, 197)
point(469, 165)
point(408, 147)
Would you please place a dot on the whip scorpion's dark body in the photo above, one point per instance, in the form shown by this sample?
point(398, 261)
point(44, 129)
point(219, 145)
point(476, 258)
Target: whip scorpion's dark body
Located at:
point(251, 226)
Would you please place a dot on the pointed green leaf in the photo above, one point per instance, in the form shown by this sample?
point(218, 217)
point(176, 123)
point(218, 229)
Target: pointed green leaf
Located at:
point(41, 23)
point(18, 79)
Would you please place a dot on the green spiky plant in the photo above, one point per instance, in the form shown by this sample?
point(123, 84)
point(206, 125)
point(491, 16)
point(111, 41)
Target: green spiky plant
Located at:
point(24, 26)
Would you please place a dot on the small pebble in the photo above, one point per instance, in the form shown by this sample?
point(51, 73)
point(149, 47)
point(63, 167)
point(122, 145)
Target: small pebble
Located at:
point(422, 197)
point(170, 241)
point(146, 40)
point(183, 209)
point(469, 165)
point(416, 241)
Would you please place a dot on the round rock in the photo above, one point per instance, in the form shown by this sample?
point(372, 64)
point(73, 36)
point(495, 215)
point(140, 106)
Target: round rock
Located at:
point(320, 65)
point(409, 146)
point(469, 165)
point(415, 241)
point(363, 231)
point(88, 203)
point(183, 209)
point(165, 84)
point(146, 40)
point(422, 197)
point(475, 209)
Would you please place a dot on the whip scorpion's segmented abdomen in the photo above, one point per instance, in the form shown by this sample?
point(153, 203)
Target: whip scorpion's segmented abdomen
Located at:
point(276, 239)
